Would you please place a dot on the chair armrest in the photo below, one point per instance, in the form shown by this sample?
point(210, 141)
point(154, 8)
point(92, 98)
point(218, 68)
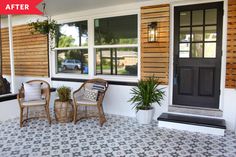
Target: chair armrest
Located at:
point(78, 93)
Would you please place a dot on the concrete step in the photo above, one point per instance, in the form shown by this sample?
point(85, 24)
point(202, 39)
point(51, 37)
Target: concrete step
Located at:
point(206, 125)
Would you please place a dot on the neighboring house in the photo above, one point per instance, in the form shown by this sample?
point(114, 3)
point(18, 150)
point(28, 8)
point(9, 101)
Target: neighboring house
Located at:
point(194, 55)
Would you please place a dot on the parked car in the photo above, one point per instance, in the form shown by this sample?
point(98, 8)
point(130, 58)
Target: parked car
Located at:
point(71, 64)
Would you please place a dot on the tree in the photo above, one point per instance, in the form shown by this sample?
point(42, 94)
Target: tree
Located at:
point(66, 41)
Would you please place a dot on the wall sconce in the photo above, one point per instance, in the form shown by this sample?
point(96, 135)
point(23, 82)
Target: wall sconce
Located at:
point(152, 32)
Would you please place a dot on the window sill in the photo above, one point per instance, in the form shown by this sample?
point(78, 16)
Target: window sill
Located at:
point(121, 80)
point(7, 97)
point(118, 78)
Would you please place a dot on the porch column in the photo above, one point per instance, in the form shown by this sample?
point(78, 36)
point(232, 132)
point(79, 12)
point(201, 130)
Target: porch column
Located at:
point(11, 54)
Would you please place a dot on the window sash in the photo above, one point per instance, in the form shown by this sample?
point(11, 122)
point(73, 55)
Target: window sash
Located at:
point(66, 49)
point(116, 46)
point(71, 48)
point(113, 68)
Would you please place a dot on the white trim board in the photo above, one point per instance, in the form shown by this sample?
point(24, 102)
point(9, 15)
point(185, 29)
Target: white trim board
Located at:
point(191, 128)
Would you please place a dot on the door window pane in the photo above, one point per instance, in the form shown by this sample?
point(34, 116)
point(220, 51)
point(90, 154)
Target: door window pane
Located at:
point(184, 34)
point(211, 16)
point(210, 50)
point(197, 50)
point(184, 50)
point(117, 61)
point(72, 34)
point(185, 18)
point(197, 17)
point(72, 61)
point(197, 33)
point(210, 33)
point(116, 30)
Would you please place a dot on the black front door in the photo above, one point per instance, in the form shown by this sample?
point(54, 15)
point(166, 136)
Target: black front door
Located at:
point(197, 54)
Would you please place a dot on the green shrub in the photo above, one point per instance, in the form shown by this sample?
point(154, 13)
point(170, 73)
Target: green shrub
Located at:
point(64, 93)
point(146, 93)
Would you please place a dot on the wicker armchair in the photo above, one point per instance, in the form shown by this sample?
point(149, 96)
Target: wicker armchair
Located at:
point(44, 102)
point(85, 108)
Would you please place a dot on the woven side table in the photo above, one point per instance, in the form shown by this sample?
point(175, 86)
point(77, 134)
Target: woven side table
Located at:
point(63, 111)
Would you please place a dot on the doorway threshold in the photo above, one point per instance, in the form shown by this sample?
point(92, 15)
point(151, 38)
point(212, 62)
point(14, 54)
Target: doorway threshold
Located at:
point(195, 110)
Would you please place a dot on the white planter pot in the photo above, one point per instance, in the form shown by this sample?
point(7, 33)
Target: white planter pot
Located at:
point(145, 116)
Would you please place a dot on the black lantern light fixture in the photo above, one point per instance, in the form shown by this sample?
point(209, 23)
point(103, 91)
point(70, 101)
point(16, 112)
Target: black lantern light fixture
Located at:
point(152, 32)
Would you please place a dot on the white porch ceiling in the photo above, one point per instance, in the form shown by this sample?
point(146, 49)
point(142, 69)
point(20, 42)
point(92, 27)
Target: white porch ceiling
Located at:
point(55, 7)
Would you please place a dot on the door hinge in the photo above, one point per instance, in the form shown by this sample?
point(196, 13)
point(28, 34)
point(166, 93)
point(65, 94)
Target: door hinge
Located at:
point(220, 92)
point(223, 12)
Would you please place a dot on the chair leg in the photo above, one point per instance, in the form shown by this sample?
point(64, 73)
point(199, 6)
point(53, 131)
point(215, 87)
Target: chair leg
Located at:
point(21, 116)
point(102, 118)
point(27, 112)
point(48, 114)
point(75, 113)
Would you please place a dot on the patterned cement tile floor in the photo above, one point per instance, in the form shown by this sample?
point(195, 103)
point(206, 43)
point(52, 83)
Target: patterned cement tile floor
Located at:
point(120, 136)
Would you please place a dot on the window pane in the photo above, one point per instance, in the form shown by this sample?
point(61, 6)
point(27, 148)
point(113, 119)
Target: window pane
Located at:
point(184, 50)
point(184, 34)
point(210, 50)
point(197, 50)
point(72, 34)
point(72, 61)
point(197, 17)
point(117, 61)
point(197, 33)
point(116, 30)
point(185, 18)
point(211, 16)
point(210, 33)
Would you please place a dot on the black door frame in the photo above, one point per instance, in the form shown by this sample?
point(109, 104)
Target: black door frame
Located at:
point(220, 6)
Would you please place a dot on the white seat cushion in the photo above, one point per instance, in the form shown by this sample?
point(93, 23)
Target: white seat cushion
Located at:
point(86, 102)
point(34, 102)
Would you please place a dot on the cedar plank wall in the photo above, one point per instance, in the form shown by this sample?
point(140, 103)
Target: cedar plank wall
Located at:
point(155, 56)
point(30, 52)
point(231, 46)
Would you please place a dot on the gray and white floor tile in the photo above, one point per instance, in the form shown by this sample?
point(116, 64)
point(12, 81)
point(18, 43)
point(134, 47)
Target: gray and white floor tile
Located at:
point(120, 136)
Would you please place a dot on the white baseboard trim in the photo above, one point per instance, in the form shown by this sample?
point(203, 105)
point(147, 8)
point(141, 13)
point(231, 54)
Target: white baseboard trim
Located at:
point(191, 128)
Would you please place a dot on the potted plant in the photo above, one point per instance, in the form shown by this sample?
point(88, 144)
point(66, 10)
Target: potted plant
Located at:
point(143, 96)
point(46, 27)
point(63, 106)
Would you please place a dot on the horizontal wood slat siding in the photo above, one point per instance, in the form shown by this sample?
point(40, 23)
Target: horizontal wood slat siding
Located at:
point(231, 46)
point(30, 52)
point(155, 56)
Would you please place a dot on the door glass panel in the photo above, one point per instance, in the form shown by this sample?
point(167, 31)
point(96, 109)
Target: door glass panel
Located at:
point(197, 17)
point(184, 35)
point(197, 50)
point(211, 16)
point(185, 18)
point(184, 50)
point(210, 50)
point(210, 33)
point(197, 33)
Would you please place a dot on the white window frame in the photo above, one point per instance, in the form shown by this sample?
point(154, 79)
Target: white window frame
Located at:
point(91, 49)
point(114, 77)
point(54, 64)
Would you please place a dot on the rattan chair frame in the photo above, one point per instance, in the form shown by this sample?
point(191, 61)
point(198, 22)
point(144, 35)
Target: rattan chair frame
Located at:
point(45, 91)
point(76, 93)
